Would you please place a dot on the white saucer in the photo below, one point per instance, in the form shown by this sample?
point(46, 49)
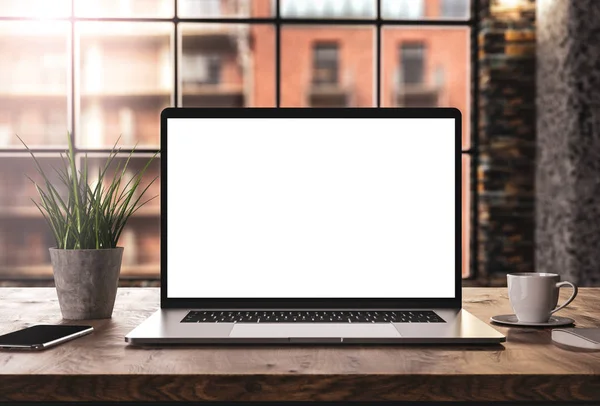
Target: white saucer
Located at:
point(512, 320)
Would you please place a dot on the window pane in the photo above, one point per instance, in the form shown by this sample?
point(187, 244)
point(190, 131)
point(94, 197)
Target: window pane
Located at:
point(328, 9)
point(424, 9)
point(24, 234)
point(141, 236)
point(327, 66)
point(35, 8)
point(412, 64)
point(125, 80)
point(225, 8)
point(466, 216)
point(124, 8)
point(227, 65)
point(33, 83)
point(455, 9)
point(427, 67)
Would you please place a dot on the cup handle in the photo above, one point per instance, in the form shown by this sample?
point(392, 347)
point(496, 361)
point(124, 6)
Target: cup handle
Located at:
point(560, 285)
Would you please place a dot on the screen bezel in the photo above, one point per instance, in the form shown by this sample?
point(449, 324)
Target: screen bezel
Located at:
point(311, 303)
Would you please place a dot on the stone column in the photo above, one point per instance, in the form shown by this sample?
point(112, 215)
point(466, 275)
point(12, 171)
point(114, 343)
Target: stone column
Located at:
point(568, 140)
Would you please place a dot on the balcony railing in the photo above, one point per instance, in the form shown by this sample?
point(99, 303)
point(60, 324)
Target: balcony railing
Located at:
point(334, 94)
point(328, 8)
point(426, 94)
point(215, 8)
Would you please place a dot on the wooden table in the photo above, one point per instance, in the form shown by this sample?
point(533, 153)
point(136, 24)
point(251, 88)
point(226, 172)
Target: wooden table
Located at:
point(101, 367)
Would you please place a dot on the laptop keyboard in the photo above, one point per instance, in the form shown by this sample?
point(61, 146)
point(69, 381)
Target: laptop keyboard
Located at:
point(421, 316)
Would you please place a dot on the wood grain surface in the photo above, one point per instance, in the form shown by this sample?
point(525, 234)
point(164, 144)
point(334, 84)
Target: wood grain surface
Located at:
point(101, 367)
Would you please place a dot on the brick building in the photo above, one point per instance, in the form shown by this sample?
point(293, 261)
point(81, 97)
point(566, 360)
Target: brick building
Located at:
point(325, 65)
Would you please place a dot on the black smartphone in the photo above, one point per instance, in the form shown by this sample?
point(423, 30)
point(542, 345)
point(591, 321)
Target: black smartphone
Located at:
point(42, 336)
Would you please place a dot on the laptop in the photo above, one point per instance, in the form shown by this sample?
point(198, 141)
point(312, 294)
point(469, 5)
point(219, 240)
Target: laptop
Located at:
point(290, 225)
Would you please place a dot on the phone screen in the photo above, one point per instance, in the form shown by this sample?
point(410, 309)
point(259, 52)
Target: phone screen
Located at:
point(40, 334)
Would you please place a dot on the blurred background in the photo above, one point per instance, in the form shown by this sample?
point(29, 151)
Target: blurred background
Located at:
point(100, 69)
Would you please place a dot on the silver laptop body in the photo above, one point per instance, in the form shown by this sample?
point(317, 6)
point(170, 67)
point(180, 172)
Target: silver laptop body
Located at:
point(214, 264)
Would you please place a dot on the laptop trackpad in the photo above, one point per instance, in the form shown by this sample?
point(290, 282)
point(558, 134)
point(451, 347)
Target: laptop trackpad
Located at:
point(316, 330)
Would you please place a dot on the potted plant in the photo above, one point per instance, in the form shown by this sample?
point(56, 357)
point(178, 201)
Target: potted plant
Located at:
point(87, 224)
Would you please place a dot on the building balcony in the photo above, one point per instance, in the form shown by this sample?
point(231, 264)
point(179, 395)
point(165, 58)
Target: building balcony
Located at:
point(220, 38)
point(215, 8)
point(429, 93)
point(417, 95)
point(213, 95)
point(331, 94)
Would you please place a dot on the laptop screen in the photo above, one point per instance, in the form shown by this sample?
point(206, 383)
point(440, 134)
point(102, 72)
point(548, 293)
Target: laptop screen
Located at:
point(311, 208)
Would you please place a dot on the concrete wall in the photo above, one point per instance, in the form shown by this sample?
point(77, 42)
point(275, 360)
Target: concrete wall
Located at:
point(568, 140)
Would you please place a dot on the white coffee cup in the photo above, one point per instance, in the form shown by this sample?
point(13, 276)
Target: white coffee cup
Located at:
point(534, 296)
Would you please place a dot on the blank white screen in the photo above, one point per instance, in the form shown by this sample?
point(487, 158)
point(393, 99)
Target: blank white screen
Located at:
point(310, 208)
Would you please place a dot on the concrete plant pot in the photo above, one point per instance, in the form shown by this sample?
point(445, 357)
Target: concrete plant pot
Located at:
point(86, 281)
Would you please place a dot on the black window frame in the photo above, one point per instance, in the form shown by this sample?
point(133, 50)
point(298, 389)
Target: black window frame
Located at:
point(278, 22)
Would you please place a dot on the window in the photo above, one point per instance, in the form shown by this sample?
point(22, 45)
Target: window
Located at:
point(413, 89)
point(412, 63)
point(101, 69)
point(455, 8)
point(325, 64)
point(403, 9)
point(201, 8)
point(328, 8)
point(201, 69)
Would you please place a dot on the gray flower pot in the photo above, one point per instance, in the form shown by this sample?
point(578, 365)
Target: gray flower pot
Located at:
point(86, 281)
